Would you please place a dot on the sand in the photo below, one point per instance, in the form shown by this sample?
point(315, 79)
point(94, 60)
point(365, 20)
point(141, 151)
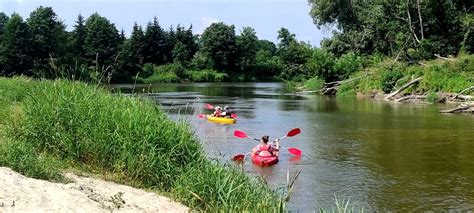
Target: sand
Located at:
point(22, 194)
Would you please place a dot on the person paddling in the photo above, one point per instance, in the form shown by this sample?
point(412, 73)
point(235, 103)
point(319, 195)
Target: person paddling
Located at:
point(265, 149)
point(227, 112)
point(217, 112)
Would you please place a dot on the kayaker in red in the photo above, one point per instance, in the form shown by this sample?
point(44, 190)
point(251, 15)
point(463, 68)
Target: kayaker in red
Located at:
point(265, 149)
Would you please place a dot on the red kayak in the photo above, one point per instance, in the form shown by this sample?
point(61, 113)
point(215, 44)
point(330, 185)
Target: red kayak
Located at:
point(264, 160)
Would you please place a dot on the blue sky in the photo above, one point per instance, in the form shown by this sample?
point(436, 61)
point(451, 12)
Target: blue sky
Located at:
point(265, 16)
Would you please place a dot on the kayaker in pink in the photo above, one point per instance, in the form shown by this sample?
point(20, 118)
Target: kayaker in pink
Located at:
point(265, 149)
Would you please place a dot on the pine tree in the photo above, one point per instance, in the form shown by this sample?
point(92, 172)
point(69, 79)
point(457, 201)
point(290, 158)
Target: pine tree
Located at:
point(155, 43)
point(15, 52)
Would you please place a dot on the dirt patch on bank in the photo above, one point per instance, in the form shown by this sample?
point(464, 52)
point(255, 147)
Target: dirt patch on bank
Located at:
point(19, 194)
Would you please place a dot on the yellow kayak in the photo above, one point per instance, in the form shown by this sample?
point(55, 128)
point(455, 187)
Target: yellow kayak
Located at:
point(223, 120)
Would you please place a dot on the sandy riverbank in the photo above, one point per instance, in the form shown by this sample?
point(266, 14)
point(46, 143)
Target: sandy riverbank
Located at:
point(19, 194)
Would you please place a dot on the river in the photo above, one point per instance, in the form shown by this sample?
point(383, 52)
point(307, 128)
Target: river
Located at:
point(378, 155)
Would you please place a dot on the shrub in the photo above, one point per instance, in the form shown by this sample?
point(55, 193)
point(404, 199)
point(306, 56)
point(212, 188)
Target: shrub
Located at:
point(389, 79)
point(206, 75)
point(315, 83)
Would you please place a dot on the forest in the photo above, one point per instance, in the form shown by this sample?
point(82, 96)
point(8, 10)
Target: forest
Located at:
point(365, 33)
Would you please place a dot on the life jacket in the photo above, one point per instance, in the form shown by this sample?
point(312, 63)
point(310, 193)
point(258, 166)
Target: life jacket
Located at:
point(265, 148)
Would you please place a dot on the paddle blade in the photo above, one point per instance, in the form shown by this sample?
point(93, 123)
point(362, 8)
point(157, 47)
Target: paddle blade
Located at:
point(293, 132)
point(209, 106)
point(233, 115)
point(201, 116)
point(238, 157)
point(240, 134)
point(294, 151)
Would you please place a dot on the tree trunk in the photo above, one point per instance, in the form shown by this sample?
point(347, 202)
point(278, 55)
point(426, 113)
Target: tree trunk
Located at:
point(462, 108)
point(402, 88)
point(421, 21)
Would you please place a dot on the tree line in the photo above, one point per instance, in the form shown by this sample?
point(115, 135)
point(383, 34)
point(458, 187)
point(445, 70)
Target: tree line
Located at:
point(366, 32)
point(41, 47)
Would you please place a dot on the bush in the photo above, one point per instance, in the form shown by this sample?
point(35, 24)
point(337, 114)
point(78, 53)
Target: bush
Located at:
point(345, 66)
point(206, 76)
point(315, 83)
point(164, 74)
point(389, 79)
point(432, 97)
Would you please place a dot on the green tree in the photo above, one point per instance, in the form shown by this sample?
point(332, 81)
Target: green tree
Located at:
point(185, 38)
point(3, 20)
point(247, 47)
point(155, 43)
point(321, 64)
point(138, 43)
point(392, 28)
point(49, 39)
point(79, 37)
point(267, 46)
point(102, 41)
point(267, 66)
point(180, 53)
point(218, 42)
point(15, 49)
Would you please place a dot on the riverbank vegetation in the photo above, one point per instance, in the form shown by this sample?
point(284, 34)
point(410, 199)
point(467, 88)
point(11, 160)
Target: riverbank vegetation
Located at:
point(51, 126)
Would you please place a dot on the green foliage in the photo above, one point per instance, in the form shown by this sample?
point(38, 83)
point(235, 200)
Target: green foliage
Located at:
point(125, 135)
point(321, 64)
point(438, 76)
point(390, 78)
point(101, 44)
point(48, 39)
point(93, 130)
point(21, 157)
point(432, 97)
point(468, 39)
point(346, 65)
point(218, 42)
point(314, 84)
point(247, 47)
point(202, 61)
point(165, 74)
point(366, 27)
point(346, 90)
point(3, 20)
point(155, 43)
point(223, 186)
point(267, 66)
point(206, 76)
point(15, 49)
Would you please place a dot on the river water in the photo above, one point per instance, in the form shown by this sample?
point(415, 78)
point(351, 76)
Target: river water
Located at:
point(379, 156)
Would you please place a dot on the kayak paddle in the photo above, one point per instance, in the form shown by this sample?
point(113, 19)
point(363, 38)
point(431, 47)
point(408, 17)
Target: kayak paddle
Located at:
point(241, 134)
point(209, 106)
point(240, 157)
point(291, 133)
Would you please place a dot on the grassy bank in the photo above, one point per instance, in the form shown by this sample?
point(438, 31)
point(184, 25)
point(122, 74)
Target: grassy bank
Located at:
point(438, 76)
point(50, 126)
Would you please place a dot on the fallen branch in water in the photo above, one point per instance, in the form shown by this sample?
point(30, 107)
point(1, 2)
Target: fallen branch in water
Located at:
point(402, 88)
point(331, 87)
point(461, 108)
point(467, 89)
point(411, 97)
